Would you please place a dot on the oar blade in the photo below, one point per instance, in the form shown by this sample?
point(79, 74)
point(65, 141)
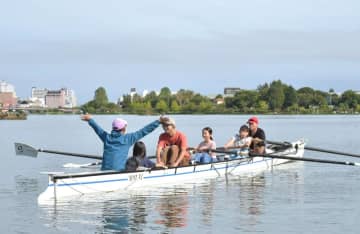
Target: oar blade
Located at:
point(25, 150)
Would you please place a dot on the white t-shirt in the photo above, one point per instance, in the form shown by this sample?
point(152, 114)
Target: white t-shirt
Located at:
point(242, 141)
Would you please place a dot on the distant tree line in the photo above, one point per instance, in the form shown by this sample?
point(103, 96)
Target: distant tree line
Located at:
point(275, 97)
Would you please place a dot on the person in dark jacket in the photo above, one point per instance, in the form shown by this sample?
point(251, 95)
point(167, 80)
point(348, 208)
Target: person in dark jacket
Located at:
point(117, 143)
point(258, 136)
point(139, 158)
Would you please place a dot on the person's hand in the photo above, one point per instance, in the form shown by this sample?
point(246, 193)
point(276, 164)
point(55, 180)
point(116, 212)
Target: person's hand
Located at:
point(86, 117)
point(174, 164)
point(163, 119)
point(160, 164)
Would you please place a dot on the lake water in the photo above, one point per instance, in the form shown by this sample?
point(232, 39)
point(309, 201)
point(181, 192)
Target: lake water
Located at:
point(300, 197)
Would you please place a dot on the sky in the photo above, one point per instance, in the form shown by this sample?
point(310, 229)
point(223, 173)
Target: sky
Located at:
point(203, 45)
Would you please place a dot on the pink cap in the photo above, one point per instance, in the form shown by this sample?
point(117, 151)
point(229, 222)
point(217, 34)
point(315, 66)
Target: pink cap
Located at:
point(253, 119)
point(118, 124)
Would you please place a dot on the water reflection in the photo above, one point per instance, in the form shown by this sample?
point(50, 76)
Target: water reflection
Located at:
point(123, 212)
point(185, 208)
point(251, 197)
point(173, 210)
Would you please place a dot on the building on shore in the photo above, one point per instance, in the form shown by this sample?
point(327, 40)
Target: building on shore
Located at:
point(38, 96)
point(230, 92)
point(55, 98)
point(63, 98)
point(8, 97)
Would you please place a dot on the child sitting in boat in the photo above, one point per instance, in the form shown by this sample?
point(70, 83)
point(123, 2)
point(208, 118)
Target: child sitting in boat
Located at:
point(241, 142)
point(139, 161)
point(203, 155)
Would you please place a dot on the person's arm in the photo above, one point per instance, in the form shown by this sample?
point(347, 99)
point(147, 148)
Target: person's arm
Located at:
point(148, 163)
point(135, 136)
point(213, 147)
point(98, 130)
point(261, 134)
point(160, 146)
point(180, 158)
point(183, 148)
point(158, 155)
point(230, 143)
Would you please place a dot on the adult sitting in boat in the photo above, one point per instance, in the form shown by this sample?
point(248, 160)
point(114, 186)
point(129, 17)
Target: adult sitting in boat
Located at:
point(172, 147)
point(118, 142)
point(256, 133)
point(139, 154)
point(203, 155)
point(240, 141)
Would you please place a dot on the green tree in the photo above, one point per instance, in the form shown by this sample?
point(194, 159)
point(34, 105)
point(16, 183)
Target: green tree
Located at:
point(276, 95)
point(161, 106)
point(290, 96)
point(350, 99)
point(152, 97)
point(175, 107)
point(262, 107)
point(100, 97)
point(205, 106)
point(183, 96)
point(305, 96)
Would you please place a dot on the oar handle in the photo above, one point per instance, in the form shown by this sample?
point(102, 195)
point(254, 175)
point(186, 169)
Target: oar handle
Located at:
point(329, 151)
point(332, 151)
point(71, 154)
point(305, 159)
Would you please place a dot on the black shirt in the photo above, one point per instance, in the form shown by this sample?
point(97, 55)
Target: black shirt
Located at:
point(258, 134)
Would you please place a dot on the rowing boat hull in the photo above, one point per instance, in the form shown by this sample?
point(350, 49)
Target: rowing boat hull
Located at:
point(75, 184)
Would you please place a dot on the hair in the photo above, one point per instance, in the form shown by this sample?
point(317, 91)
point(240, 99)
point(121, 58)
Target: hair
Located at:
point(244, 128)
point(139, 149)
point(131, 164)
point(209, 130)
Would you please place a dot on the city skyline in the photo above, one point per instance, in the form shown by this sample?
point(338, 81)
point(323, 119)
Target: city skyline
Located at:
point(121, 45)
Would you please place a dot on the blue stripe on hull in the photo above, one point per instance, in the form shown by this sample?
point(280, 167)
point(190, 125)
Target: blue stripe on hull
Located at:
point(157, 176)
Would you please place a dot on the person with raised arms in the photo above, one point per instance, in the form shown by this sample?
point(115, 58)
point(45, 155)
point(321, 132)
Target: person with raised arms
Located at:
point(117, 143)
point(172, 147)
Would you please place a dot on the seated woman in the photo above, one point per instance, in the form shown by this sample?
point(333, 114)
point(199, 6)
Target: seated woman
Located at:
point(203, 155)
point(139, 159)
point(241, 142)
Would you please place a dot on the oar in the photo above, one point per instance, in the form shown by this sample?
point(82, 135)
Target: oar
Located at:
point(319, 149)
point(75, 165)
point(306, 159)
point(26, 150)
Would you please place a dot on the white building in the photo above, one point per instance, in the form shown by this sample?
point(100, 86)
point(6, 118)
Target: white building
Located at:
point(38, 96)
point(145, 92)
point(7, 88)
point(8, 97)
point(70, 98)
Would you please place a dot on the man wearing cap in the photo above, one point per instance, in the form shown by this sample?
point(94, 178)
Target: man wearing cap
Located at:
point(172, 147)
point(118, 142)
point(257, 134)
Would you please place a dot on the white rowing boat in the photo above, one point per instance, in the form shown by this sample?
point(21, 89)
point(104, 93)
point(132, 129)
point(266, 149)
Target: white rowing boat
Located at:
point(74, 184)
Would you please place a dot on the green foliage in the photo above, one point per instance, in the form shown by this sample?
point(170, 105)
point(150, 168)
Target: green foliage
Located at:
point(274, 98)
point(100, 97)
point(175, 108)
point(161, 107)
point(100, 104)
point(276, 95)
